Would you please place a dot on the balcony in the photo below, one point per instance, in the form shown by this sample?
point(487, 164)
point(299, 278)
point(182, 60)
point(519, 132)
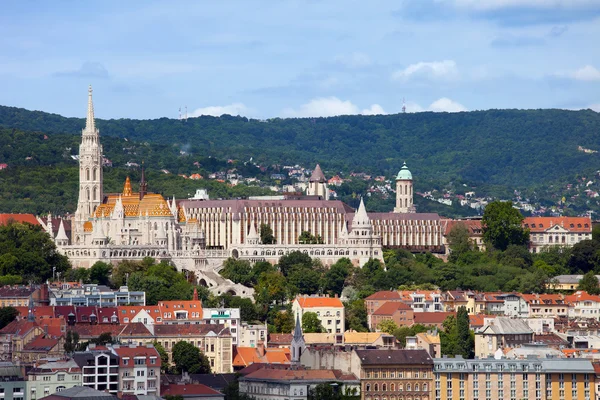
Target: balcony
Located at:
point(127, 377)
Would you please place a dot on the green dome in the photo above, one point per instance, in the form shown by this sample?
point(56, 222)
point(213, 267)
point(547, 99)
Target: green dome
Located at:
point(404, 174)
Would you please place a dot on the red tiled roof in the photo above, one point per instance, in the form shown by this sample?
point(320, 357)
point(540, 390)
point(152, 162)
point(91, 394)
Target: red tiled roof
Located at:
point(41, 343)
point(18, 327)
point(572, 224)
point(473, 225)
point(137, 351)
point(477, 321)
point(280, 338)
point(544, 299)
point(315, 302)
point(390, 307)
point(428, 318)
point(192, 389)
point(299, 374)
point(581, 296)
point(5, 219)
point(384, 295)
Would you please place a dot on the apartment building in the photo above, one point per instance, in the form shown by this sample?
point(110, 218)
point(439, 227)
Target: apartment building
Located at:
point(329, 310)
point(48, 377)
point(99, 369)
point(139, 369)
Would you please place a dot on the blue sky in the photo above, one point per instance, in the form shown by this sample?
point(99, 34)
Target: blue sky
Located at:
point(299, 58)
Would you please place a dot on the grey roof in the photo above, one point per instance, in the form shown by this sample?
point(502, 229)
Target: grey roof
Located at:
point(569, 279)
point(393, 356)
point(506, 326)
point(568, 365)
point(82, 392)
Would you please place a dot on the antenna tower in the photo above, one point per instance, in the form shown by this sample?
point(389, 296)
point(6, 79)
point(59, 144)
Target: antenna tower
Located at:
point(403, 106)
point(186, 113)
point(180, 113)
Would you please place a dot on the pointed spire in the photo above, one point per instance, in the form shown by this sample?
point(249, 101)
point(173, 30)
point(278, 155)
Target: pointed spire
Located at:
point(90, 123)
point(317, 175)
point(143, 183)
point(298, 329)
point(361, 218)
point(62, 235)
point(127, 188)
point(252, 234)
point(98, 232)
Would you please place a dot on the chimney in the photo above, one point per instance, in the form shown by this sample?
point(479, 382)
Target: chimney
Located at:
point(261, 349)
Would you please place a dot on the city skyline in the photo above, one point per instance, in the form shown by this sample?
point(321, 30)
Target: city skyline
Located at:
point(300, 59)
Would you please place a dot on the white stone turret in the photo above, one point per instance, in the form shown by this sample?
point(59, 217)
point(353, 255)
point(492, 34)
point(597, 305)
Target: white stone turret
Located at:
point(90, 172)
point(317, 184)
point(98, 235)
point(253, 236)
point(361, 220)
point(404, 191)
point(61, 237)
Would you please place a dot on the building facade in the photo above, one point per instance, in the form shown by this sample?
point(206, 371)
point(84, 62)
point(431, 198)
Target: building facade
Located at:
point(329, 310)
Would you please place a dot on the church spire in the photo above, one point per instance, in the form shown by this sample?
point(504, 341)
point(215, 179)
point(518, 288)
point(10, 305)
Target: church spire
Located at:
point(298, 344)
point(143, 183)
point(90, 123)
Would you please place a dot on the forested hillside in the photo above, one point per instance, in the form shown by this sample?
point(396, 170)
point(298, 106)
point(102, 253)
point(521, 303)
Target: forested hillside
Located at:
point(501, 147)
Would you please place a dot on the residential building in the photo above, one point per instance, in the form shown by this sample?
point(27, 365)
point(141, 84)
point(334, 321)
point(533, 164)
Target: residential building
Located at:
point(500, 379)
point(566, 282)
point(329, 310)
point(192, 391)
point(515, 305)
point(546, 305)
point(20, 296)
point(434, 319)
point(396, 311)
point(500, 333)
point(252, 335)
point(226, 317)
point(385, 373)
point(75, 294)
point(557, 231)
point(267, 383)
point(139, 369)
point(430, 342)
point(473, 226)
point(99, 369)
point(583, 305)
point(376, 300)
point(49, 376)
point(13, 385)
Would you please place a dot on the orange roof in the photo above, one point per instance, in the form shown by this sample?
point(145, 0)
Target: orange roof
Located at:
point(244, 356)
point(478, 319)
point(428, 318)
point(152, 204)
point(572, 224)
point(138, 351)
point(581, 296)
point(315, 302)
point(172, 306)
point(407, 295)
point(473, 225)
point(390, 308)
point(544, 299)
point(5, 219)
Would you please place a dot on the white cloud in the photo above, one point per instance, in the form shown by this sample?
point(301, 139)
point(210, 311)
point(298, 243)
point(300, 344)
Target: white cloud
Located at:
point(595, 107)
point(587, 73)
point(499, 4)
point(354, 60)
point(445, 104)
point(375, 109)
point(217, 111)
point(430, 70)
point(330, 107)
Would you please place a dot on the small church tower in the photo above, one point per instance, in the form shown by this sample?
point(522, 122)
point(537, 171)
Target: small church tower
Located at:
point(90, 170)
point(317, 184)
point(404, 192)
point(297, 346)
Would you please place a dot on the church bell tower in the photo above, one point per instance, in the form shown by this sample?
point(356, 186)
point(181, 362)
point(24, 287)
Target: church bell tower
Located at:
point(90, 170)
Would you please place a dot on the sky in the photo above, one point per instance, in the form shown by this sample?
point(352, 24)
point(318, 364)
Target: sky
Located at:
point(280, 58)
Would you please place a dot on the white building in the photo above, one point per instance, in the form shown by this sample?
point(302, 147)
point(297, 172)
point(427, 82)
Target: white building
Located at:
point(329, 310)
point(50, 376)
point(99, 370)
point(557, 231)
point(252, 335)
point(139, 369)
point(229, 317)
point(515, 305)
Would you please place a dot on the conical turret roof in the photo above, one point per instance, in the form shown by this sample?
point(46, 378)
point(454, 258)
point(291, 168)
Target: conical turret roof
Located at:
point(252, 234)
point(361, 217)
point(98, 232)
point(62, 235)
point(127, 188)
point(298, 329)
point(317, 175)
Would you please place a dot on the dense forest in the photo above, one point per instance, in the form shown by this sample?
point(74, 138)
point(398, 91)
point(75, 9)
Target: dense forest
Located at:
point(502, 147)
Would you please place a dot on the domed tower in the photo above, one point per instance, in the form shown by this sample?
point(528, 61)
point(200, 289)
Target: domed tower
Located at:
point(404, 191)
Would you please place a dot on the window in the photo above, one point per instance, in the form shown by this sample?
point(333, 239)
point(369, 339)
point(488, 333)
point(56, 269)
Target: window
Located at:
point(152, 360)
point(126, 361)
point(140, 373)
point(140, 361)
point(61, 377)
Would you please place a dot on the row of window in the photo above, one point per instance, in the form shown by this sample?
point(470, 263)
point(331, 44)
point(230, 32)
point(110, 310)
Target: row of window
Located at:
point(401, 387)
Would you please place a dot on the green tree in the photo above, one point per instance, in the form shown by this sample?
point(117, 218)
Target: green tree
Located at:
point(311, 323)
point(27, 250)
point(387, 326)
point(104, 339)
point(266, 234)
point(459, 241)
point(589, 283)
point(335, 277)
point(356, 315)
point(284, 322)
point(78, 275)
point(189, 358)
point(7, 315)
point(239, 271)
point(287, 261)
point(164, 356)
point(585, 256)
point(10, 280)
point(100, 273)
point(464, 337)
point(71, 341)
point(502, 226)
